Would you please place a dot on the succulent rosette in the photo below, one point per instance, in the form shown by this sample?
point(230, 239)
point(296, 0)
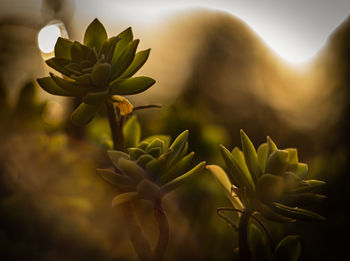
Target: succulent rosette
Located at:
point(96, 70)
point(269, 181)
point(150, 168)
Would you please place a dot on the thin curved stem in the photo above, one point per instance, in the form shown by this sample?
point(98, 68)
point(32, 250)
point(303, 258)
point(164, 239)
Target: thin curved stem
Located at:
point(265, 230)
point(224, 217)
point(244, 251)
point(163, 227)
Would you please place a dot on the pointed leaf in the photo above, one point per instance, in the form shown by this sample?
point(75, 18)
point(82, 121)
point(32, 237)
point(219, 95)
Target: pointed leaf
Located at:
point(125, 59)
point(269, 187)
point(116, 155)
point(131, 169)
point(292, 156)
point(125, 38)
point(124, 198)
point(250, 156)
point(84, 113)
point(68, 85)
point(100, 74)
point(297, 213)
point(115, 179)
point(95, 97)
point(95, 35)
point(62, 48)
point(144, 159)
point(137, 63)
point(58, 64)
point(277, 162)
point(51, 87)
point(262, 156)
point(309, 186)
point(300, 169)
point(147, 190)
point(267, 212)
point(178, 146)
point(135, 153)
point(183, 178)
point(131, 132)
point(258, 244)
point(239, 177)
point(131, 85)
point(288, 249)
point(109, 47)
point(271, 146)
point(180, 167)
point(165, 138)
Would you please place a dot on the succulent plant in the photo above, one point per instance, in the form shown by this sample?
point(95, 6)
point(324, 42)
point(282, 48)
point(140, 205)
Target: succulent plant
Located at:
point(96, 70)
point(268, 181)
point(150, 168)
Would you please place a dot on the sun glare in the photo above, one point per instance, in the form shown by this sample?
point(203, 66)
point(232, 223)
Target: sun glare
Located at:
point(47, 38)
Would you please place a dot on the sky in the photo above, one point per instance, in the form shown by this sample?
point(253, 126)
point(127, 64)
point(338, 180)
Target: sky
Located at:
point(295, 30)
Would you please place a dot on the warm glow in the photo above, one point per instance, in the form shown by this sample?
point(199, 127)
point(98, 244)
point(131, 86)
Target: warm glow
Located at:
point(47, 38)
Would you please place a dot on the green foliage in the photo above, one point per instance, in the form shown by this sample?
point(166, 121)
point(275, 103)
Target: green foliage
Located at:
point(96, 70)
point(269, 181)
point(288, 249)
point(151, 168)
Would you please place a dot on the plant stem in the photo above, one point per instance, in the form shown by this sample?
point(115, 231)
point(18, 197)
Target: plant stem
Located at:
point(136, 235)
point(244, 251)
point(115, 123)
point(163, 227)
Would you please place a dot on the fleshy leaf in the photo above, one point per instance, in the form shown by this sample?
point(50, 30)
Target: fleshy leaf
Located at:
point(288, 249)
point(131, 85)
point(131, 169)
point(178, 146)
point(262, 156)
point(116, 155)
point(131, 132)
point(258, 244)
point(84, 113)
point(240, 178)
point(271, 146)
point(250, 156)
point(292, 156)
point(62, 48)
point(269, 187)
point(297, 213)
point(137, 63)
point(300, 169)
point(179, 168)
point(147, 190)
point(115, 179)
point(124, 198)
point(277, 162)
point(58, 64)
point(125, 59)
point(51, 87)
point(95, 97)
point(125, 38)
point(183, 178)
point(95, 35)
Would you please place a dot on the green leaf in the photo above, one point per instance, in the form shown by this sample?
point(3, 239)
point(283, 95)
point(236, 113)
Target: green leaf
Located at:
point(59, 65)
point(144, 159)
point(51, 87)
point(183, 178)
point(155, 152)
point(300, 169)
point(131, 169)
point(271, 146)
point(120, 181)
point(116, 155)
point(108, 48)
point(262, 156)
point(269, 187)
point(68, 85)
point(238, 156)
point(95, 97)
point(302, 199)
point(131, 85)
point(155, 143)
point(125, 38)
point(309, 186)
point(292, 156)
point(147, 190)
point(178, 146)
point(222, 178)
point(135, 153)
point(95, 35)
point(288, 249)
point(84, 113)
point(100, 74)
point(165, 138)
point(124, 198)
point(62, 48)
point(238, 175)
point(277, 162)
point(180, 167)
point(250, 156)
point(271, 215)
point(258, 244)
point(137, 63)
point(131, 132)
point(156, 166)
point(296, 213)
point(125, 59)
